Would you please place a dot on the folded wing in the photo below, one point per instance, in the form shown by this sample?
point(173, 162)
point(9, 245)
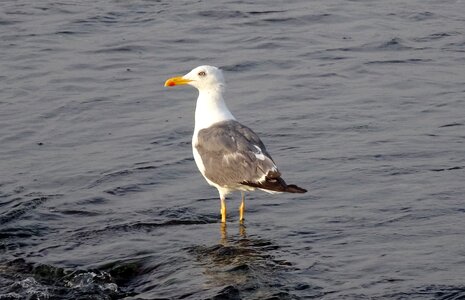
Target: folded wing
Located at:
point(234, 155)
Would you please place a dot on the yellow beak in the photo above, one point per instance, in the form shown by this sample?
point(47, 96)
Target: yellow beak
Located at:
point(177, 81)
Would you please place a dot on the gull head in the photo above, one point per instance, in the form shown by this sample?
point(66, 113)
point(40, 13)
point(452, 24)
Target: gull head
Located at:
point(203, 78)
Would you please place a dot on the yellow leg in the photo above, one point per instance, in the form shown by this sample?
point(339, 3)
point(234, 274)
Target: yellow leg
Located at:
point(242, 208)
point(223, 209)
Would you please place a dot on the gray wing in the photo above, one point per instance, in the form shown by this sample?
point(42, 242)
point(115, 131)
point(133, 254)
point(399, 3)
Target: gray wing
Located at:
point(233, 154)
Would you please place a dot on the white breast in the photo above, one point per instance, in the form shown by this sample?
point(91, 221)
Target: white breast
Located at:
point(197, 158)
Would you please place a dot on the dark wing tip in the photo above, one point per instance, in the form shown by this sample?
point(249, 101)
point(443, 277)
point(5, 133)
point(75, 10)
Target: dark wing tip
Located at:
point(292, 188)
point(276, 184)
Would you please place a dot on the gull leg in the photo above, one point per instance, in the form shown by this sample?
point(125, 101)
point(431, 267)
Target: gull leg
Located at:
point(242, 208)
point(223, 209)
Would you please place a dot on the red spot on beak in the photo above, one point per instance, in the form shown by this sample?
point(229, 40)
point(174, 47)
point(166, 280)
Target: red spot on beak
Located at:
point(171, 83)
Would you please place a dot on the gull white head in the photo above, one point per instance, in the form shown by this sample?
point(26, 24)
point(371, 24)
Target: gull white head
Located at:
point(204, 78)
point(210, 106)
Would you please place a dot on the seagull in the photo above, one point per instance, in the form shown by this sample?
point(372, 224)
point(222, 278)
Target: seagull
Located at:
point(230, 156)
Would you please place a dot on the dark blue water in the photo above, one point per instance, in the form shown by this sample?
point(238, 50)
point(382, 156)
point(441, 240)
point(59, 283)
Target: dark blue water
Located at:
point(360, 102)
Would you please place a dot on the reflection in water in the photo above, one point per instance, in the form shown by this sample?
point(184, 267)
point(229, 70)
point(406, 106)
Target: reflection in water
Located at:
point(242, 231)
point(243, 263)
point(224, 232)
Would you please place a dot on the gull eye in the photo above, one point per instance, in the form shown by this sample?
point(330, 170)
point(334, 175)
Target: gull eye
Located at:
point(202, 73)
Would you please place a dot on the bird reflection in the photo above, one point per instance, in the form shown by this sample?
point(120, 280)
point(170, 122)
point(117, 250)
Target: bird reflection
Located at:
point(224, 232)
point(242, 231)
point(240, 261)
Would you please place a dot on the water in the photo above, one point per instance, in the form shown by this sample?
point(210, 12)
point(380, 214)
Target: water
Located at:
point(360, 102)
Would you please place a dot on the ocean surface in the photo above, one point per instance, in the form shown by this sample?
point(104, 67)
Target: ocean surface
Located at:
point(360, 102)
